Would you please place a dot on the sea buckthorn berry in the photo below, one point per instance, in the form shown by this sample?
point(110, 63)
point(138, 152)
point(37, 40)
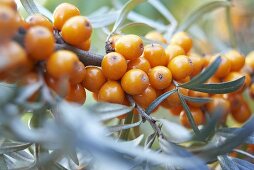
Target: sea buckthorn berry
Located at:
point(235, 101)
point(146, 98)
point(62, 63)
point(39, 20)
point(198, 64)
point(243, 114)
point(237, 60)
point(247, 81)
point(192, 93)
point(213, 80)
point(173, 99)
point(160, 77)
point(130, 46)
point(76, 30)
point(218, 104)
point(234, 76)
point(62, 13)
point(9, 3)
point(249, 60)
point(78, 74)
point(251, 91)
point(156, 55)
point(185, 80)
point(39, 43)
point(94, 79)
point(135, 81)
point(110, 44)
point(182, 39)
point(173, 51)
point(197, 115)
point(111, 92)
point(139, 63)
point(95, 96)
point(9, 23)
point(224, 68)
point(60, 86)
point(85, 45)
point(156, 36)
point(114, 66)
point(180, 67)
point(176, 110)
point(76, 94)
point(12, 56)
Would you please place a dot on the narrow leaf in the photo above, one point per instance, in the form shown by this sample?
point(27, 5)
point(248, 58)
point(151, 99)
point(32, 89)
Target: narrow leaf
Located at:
point(108, 111)
point(125, 133)
point(158, 101)
point(103, 20)
point(130, 5)
point(133, 24)
point(3, 165)
point(226, 163)
point(243, 164)
point(197, 99)
point(13, 147)
point(204, 75)
point(135, 142)
point(30, 6)
point(73, 155)
point(200, 12)
point(124, 127)
point(189, 115)
point(219, 88)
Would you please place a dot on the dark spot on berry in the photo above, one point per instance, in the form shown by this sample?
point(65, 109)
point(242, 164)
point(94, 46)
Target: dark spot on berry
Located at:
point(141, 46)
point(144, 77)
point(40, 32)
point(160, 76)
point(87, 24)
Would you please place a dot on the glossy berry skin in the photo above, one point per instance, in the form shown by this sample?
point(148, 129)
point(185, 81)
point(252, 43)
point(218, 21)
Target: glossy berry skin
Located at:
point(94, 79)
point(156, 55)
point(251, 91)
point(135, 81)
point(213, 80)
point(113, 66)
point(9, 3)
point(85, 45)
point(61, 87)
point(243, 114)
point(235, 101)
point(62, 63)
point(111, 92)
point(39, 43)
point(175, 110)
point(173, 99)
point(173, 51)
point(183, 40)
point(62, 13)
point(197, 114)
point(39, 20)
point(249, 60)
point(139, 63)
point(77, 94)
point(146, 98)
point(224, 68)
point(155, 36)
point(76, 30)
point(198, 64)
point(237, 60)
point(192, 93)
point(180, 67)
point(130, 46)
point(160, 77)
point(9, 23)
point(78, 74)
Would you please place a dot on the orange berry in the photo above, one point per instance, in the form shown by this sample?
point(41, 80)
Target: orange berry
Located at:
point(76, 94)
point(146, 98)
point(180, 67)
point(113, 66)
point(237, 60)
point(155, 36)
point(139, 63)
point(62, 63)
point(224, 67)
point(173, 51)
point(251, 91)
point(173, 99)
point(160, 77)
point(185, 80)
point(9, 3)
point(197, 115)
point(76, 30)
point(243, 114)
point(110, 44)
point(197, 94)
point(176, 110)
point(156, 55)
point(39, 43)
point(61, 86)
point(94, 79)
point(183, 40)
point(198, 64)
point(235, 101)
point(111, 92)
point(62, 13)
point(39, 20)
point(135, 81)
point(234, 76)
point(85, 45)
point(130, 46)
point(249, 60)
point(78, 74)
point(213, 80)
point(9, 23)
